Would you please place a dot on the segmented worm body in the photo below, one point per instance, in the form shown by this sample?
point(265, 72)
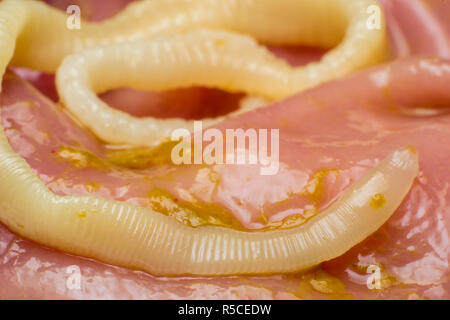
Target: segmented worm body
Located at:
point(157, 45)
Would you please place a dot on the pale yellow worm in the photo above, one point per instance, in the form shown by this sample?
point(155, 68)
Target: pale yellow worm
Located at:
point(135, 237)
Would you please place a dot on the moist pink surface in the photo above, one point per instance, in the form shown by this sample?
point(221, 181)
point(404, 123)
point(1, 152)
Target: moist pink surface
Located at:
point(346, 125)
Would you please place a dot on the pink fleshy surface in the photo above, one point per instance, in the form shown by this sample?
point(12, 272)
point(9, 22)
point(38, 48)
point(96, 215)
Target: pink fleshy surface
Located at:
point(365, 117)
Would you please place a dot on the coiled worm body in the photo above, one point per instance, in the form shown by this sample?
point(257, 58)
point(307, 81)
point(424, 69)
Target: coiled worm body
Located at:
point(135, 237)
